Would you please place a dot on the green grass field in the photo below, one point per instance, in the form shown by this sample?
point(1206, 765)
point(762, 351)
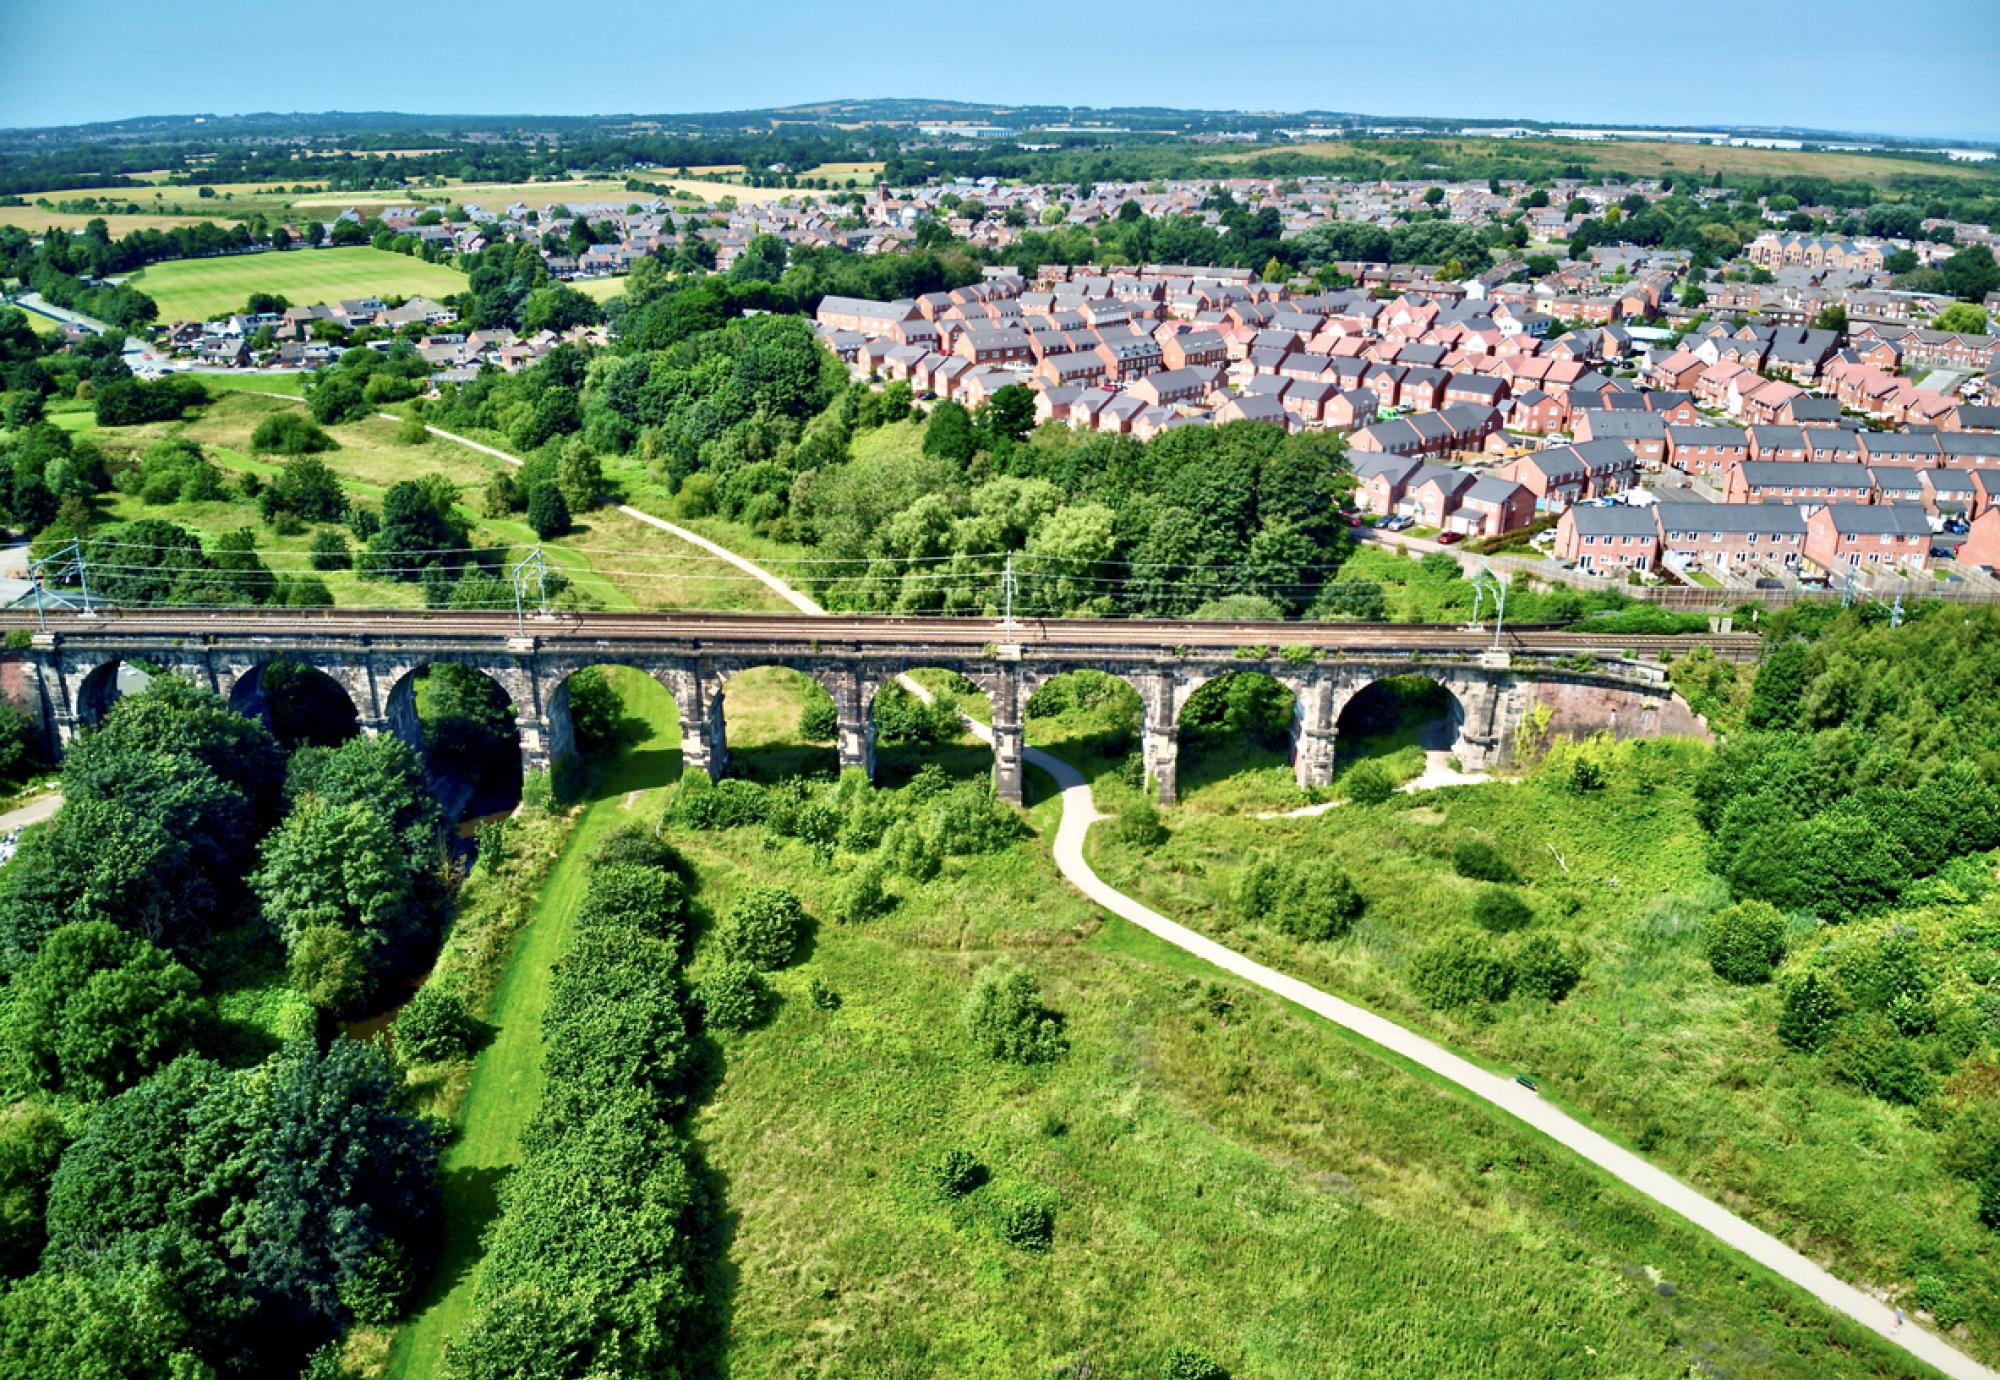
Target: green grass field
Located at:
point(506, 1077)
point(613, 560)
point(1651, 1048)
point(1227, 1173)
point(199, 289)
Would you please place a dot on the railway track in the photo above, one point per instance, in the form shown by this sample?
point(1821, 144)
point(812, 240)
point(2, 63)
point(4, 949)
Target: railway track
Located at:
point(680, 628)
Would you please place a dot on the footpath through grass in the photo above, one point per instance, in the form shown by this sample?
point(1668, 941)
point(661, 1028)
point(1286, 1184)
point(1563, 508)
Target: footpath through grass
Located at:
point(506, 1083)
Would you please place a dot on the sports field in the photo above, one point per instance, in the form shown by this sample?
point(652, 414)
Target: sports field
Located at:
point(197, 289)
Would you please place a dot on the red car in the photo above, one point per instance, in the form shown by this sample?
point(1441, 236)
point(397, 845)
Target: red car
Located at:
point(1447, 538)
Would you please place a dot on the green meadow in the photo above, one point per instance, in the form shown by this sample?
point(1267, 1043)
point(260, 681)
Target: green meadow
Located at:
point(200, 289)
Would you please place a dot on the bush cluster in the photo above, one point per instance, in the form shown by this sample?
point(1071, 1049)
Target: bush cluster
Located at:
point(1478, 860)
point(1307, 898)
point(433, 1026)
point(1367, 783)
point(765, 929)
point(1465, 968)
point(1006, 1018)
point(1744, 943)
point(1500, 910)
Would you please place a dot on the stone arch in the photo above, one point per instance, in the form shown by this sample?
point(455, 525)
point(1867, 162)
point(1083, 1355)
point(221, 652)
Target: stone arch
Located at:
point(461, 782)
point(1204, 688)
point(94, 691)
point(325, 724)
point(1095, 732)
point(1476, 698)
point(562, 736)
point(775, 749)
point(953, 754)
point(1382, 704)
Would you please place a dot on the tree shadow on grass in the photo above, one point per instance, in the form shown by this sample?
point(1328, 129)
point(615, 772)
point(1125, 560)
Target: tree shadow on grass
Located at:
point(708, 1330)
point(471, 1202)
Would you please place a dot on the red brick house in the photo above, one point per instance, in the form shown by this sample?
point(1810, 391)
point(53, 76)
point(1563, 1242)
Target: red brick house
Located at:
point(1608, 540)
point(1893, 538)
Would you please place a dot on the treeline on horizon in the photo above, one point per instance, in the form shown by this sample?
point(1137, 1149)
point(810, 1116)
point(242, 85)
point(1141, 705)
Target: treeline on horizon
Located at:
point(85, 158)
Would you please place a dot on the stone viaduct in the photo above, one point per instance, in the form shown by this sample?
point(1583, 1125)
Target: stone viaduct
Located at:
point(1554, 682)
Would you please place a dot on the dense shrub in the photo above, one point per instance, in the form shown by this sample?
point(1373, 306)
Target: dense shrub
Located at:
point(1459, 968)
point(765, 928)
point(592, 1267)
point(1500, 910)
point(912, 852)
point(1745, 942)
point(1138, 823)
point(1367, 783)
point(1546, 967)
point(1307, 898)
point(822, 995)
point(1029, 1222)
point(433, 1026)
point(968, 820)
point(1188, 1363)
point(1477, 860)
point(700, 803)
point(956, 1173)
point(615, 1025)
point(1869, 1052)
point(1810, 1007)
point(734, 996)
point(328, 551)
point(290, 433)
point(859, 896)
point(1006, 1019)
point(901, 717)
point(819, 721)
point(645, 898)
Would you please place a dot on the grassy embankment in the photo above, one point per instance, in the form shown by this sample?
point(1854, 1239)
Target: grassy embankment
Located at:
point(1651, 1047)
point(616, 561)
point(503, 1085)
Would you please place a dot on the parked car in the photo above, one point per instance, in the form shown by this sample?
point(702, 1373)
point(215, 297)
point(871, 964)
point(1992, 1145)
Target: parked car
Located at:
point(1447, 538)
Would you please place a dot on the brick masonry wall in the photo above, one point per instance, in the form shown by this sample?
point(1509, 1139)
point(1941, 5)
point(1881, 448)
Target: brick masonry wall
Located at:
point(1579, 710)
point(20, 687)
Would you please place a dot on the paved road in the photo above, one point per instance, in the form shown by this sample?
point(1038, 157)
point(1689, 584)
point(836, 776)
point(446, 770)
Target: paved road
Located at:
point(139, 356)
point(1080, 812)
point(34, 812)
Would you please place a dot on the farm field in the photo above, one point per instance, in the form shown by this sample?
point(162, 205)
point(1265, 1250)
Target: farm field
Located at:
point(196, 289)
point(1649, 158)
point(856, 170)
point(1393, 1228)
point(35, 218)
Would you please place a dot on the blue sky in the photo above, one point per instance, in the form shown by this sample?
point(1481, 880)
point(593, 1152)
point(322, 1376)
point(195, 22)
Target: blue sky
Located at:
point(1913, 68)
